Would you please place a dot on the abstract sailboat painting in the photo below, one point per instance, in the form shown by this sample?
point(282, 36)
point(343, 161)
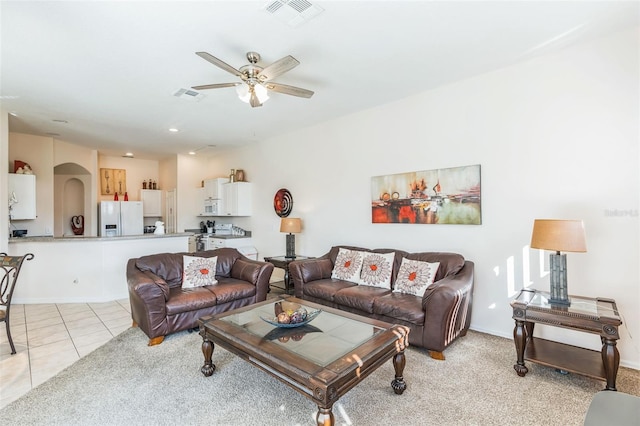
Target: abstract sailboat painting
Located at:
point(440, 196)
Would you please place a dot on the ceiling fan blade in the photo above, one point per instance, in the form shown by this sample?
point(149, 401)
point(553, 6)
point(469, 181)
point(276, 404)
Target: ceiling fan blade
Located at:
point(289, 90)
point(220, 64)
point(278, 67)
point(215, 86)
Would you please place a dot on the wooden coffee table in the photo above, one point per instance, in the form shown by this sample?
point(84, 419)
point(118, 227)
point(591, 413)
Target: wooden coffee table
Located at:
point(322, 360)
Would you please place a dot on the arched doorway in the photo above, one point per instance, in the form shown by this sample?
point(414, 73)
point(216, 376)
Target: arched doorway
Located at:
point(72, 193)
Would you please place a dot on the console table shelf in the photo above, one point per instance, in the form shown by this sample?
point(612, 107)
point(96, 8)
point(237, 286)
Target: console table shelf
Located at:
point(585, 362)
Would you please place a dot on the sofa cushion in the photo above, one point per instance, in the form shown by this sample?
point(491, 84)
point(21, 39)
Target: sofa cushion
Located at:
point(376, 269)
point(325, 289)
point(244, 270)
point(405, 307)
point(231, 289)
point(226, 259)
point(450, 263)
point(414, 277)
point(189, 299)
point(359, 297)
point(167, 266)
point(199, 271)
point(347, 265)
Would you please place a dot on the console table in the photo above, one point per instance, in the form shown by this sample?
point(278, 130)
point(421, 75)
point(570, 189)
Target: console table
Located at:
point(590, 315)
point(283, 263)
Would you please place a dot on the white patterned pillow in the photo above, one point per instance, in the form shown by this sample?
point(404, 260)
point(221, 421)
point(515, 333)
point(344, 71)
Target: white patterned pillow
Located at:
point(348, 265)
point(376, 269)
point(415, 276)
point(199, 271)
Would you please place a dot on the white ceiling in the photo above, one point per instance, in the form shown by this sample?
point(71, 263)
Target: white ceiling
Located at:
point(110, 69)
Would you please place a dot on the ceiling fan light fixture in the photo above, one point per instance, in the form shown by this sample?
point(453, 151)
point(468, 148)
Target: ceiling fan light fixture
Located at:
point(244, 92)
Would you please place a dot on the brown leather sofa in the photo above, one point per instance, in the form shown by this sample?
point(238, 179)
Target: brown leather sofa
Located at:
point(435, 320)
point(160, 306)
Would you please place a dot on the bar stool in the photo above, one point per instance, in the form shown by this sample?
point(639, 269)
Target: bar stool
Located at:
point(9, 271)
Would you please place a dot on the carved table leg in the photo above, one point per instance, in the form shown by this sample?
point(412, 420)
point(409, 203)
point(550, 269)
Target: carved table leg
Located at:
point(207, 350)
point(519, 338)
point(398, 384)
point(611, 361)
point(325, 417)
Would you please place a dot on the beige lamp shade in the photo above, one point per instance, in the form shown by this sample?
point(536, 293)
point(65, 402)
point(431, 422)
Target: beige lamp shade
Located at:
point(292, 225)
point(558, 235)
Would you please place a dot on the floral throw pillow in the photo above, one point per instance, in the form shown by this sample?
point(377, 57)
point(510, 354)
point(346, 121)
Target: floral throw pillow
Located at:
point(376, 269)
point(199, 271)
point(414, 276)
point(348, 265)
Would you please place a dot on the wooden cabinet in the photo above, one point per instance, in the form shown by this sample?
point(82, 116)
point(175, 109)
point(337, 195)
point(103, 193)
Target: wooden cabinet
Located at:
point(237, 199)
point(151, 202)
point(22, 196)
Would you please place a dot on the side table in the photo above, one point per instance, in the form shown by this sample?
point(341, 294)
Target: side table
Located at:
point(596, 316)
point(283, 262)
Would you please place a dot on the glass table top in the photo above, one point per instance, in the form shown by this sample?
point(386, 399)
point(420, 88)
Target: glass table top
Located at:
point(579, 305)
point(325, 339)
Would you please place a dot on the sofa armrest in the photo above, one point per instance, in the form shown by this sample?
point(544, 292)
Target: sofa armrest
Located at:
point(447, 308)
point(304, 271)
point(148, 295)
point(255, 272)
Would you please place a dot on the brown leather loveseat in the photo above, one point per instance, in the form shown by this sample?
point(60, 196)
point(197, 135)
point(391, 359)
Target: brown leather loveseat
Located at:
point(160, 306)
point(435, 320)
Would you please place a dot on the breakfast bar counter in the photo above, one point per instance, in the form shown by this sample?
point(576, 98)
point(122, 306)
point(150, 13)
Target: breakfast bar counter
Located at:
point(79, 269)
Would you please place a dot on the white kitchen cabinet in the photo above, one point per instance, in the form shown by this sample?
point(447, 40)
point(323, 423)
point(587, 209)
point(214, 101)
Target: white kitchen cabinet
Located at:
point(212, 195)
point(213, 188)
point(237, 199)
point(151, 202)
point(24, 202)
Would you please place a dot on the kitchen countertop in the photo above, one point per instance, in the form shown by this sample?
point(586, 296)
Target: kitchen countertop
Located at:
point(90, 238)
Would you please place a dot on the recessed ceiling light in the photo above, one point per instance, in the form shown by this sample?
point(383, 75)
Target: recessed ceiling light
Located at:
point(57, 120)
point(128, 155)
point(173, 130)
point(13, 114)
point(192, 153)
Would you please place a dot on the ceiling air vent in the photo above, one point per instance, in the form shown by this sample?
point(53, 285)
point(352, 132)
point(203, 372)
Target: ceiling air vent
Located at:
point(293, 12)
point(188, 94)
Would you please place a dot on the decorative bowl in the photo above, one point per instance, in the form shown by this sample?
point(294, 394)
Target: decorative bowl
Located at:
point(310, 317)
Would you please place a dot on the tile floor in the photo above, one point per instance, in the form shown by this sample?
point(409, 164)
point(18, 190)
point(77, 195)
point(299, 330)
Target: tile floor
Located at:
point(50, 337)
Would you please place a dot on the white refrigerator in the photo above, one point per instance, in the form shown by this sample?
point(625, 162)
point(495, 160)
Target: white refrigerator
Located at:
point(118, 218)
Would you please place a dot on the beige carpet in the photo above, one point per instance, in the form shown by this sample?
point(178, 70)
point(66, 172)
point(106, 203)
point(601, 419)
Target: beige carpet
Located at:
point(127, 382)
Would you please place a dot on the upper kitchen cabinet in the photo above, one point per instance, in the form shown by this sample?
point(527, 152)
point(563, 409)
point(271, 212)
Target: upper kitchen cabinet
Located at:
point(237, 199)
point(151, 202)
point(213, 188)
point(22, 196)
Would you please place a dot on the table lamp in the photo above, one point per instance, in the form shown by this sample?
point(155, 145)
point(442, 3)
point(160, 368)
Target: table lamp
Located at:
point(558, 235)
point(292, 225)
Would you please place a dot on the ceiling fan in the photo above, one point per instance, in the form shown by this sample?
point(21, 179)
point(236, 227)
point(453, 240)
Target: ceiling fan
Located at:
point(256, 80)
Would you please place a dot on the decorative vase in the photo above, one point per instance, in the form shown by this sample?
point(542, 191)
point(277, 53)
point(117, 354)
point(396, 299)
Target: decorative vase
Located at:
point(232, 176)
point(115, 197)
point(126, 196)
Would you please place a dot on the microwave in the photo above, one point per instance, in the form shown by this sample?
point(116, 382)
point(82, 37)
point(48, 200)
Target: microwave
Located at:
point(212, 207)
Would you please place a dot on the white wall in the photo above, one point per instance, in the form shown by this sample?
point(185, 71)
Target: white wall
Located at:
point(38, 152)
point(556, 137)
point(4, 168)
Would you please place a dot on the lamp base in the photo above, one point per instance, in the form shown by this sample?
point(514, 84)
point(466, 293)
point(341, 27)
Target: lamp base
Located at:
point(291, 246)
point(558, 285)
